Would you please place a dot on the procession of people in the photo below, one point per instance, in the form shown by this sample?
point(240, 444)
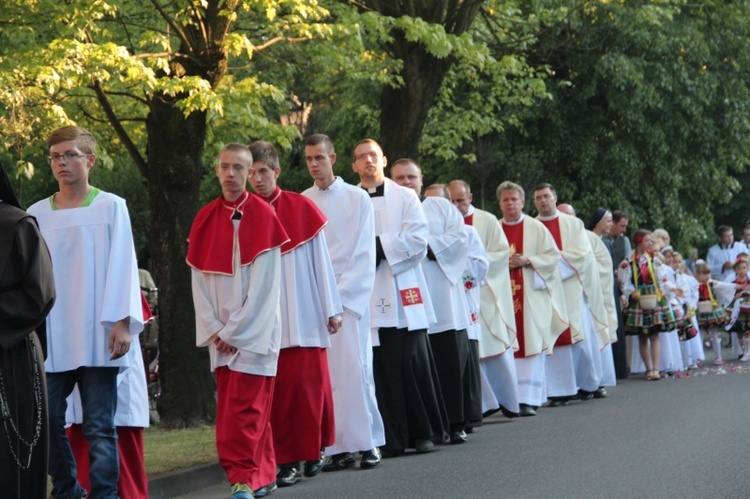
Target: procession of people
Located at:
point(345, 325)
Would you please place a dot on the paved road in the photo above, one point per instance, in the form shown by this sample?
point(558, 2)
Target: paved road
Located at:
point(674, 438)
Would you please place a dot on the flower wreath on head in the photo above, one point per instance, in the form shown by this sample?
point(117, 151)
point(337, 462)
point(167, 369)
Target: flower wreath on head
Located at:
point(638, 239)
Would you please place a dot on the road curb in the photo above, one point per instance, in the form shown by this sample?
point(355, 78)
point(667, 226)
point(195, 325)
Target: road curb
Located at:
point(186, 481)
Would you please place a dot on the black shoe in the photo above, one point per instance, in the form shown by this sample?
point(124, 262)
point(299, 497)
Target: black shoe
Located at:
point(423, 445)
point(584, 395)
point(312, 468)
point(469, 429)
point(557, 401)
point(527, 410)
point(458, 437)
point(339, 462)
point(600, 393)
point(508, 414)
point(288, 474)
point(370, 459)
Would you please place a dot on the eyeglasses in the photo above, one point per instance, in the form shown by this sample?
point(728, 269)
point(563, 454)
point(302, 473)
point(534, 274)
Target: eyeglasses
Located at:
point(65, 157)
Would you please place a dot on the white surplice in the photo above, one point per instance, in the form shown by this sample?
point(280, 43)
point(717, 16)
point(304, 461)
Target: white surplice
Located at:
point(96, 278)
point(244, 308)
point(309, 296)
point(350, 235)
point(400, 297)
point(449, 243)
point(718, 255)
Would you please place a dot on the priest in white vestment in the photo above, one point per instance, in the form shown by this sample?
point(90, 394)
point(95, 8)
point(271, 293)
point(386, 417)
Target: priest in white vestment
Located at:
point(235, 254)
point(302, 416)
point(401, 311)
point(497, 317)
point(97, 312)
point(574, 369)
point(350, 236)
point(540, 310)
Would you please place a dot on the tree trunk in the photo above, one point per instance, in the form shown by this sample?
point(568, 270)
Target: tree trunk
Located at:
point(175, 148)
point(404, 109)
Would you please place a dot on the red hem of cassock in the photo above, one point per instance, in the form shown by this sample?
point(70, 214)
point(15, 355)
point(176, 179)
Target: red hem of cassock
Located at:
point(302, 415)
point(244, 439)
point(132, 482)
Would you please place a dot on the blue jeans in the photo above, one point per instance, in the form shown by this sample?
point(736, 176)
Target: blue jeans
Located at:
point(98, 388)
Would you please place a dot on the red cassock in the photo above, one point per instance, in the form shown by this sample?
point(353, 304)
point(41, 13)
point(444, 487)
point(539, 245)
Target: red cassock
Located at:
point(302, 413)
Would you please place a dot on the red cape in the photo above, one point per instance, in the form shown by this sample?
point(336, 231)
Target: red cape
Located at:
point(300, 217)
point(211, 240)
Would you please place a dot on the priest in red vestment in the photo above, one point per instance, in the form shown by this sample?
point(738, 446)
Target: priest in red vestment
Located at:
point(538, 300)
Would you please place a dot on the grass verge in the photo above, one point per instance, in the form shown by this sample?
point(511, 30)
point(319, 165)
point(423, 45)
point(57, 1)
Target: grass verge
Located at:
point(170, 450)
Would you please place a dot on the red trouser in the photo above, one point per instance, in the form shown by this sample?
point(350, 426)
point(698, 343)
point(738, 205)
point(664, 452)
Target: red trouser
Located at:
point(243, 429)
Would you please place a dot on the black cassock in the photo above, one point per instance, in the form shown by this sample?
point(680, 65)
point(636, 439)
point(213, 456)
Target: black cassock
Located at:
point(27, 293)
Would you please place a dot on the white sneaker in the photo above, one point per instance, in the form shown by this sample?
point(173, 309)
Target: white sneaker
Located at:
point(719, 361)
point(745, 357)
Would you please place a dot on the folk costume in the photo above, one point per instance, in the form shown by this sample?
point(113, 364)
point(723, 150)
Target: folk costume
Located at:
point(717, 295)
point(496, 318)
point(234, 251)
point(27, 293)
point(350, 236)
point(96, 276)
point(642, 274)
point(540, 310)
point(739, 316)
point(302, 415)
point(406, 384)
point(446, 259)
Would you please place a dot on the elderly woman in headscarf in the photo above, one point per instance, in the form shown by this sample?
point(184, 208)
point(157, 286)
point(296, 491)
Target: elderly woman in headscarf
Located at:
point(27, 293)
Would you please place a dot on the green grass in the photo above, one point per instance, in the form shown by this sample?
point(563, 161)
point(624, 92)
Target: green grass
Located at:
point(170, 450)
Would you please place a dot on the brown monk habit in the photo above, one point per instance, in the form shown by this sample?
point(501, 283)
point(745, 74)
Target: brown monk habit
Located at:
point(27, 293)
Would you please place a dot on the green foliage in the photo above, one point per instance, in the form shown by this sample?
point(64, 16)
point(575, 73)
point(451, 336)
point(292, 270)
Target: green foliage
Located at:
point(648, 113)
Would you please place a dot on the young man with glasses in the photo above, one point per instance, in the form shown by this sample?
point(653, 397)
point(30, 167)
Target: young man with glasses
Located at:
point(98, 309)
